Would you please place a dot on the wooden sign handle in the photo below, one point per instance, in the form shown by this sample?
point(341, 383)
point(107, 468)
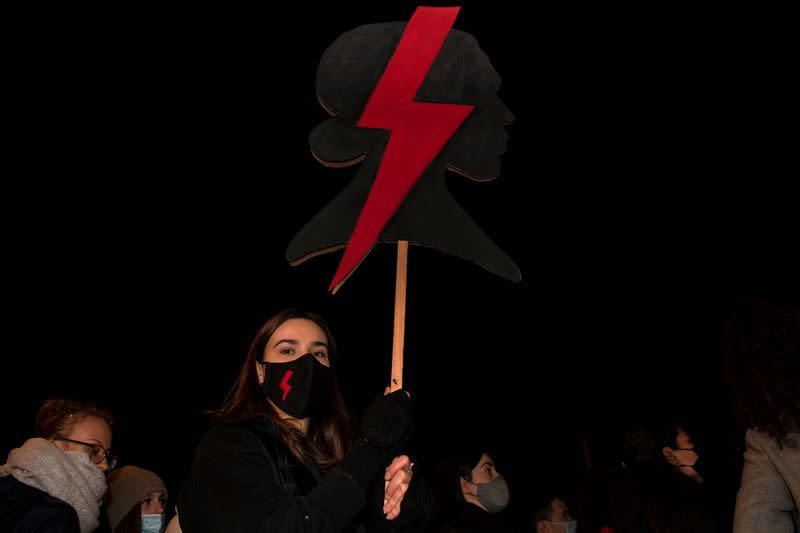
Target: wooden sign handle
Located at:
point(399, 316)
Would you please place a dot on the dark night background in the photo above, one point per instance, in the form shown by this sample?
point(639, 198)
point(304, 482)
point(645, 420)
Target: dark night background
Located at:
point(157, 165)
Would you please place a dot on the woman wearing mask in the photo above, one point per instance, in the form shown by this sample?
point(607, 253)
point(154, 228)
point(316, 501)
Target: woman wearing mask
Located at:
point(55, 481)
point(136, 501)
point(481, 495)
point(281, 456)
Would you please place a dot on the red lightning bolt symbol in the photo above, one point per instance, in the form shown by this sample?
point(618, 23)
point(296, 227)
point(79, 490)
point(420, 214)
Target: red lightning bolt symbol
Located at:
point(419, 130)
point(285, 387)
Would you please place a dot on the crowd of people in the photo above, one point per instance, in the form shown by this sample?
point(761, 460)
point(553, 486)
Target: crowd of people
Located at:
point(283, 454)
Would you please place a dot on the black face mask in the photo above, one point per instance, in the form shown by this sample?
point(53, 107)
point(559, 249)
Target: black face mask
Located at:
point(700, 466)
point(299, 388)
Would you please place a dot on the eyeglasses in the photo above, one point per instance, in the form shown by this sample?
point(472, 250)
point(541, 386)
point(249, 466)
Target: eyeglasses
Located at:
point(97, 453)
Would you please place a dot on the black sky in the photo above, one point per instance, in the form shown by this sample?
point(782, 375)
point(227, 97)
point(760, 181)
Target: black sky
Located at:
point(158, 165)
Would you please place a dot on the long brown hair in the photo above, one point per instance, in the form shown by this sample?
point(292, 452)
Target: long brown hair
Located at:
point(329, 434)
point(763, 350)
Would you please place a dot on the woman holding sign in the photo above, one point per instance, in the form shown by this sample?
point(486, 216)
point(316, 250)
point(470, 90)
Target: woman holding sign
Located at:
point(281, 456)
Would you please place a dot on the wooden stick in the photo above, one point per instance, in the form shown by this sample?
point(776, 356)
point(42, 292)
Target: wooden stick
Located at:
point(399, 316)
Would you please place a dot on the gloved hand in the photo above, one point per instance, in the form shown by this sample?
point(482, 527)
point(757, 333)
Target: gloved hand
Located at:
point(387, 422)
point(384, 431)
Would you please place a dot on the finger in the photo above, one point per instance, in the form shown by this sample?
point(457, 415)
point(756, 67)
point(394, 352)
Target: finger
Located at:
point(388, 476)
point(393, 486)
point(393, 513)
point(392, 506)
point(395, 498)
point(401, 478)
point(401, 462)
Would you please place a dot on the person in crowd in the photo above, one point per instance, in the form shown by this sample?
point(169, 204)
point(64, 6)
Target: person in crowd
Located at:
point(683, 499)
point(551, 515)
point(55, 481)
point(136, 501)
point(476, 494)
point(663, 482)
point(682, 454)
point(764, 365)
point(281, 456)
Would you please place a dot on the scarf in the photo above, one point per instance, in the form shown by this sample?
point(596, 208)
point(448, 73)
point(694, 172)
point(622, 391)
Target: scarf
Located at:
point(68, 476)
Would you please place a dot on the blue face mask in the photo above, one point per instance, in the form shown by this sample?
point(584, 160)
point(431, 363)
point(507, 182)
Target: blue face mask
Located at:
point(152, 523)
point(570, 526)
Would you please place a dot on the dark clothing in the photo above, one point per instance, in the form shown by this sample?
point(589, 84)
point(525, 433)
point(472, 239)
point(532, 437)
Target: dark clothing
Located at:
point(26, 509)
point(685, 505)
point(650, 496)
point(472, 519)
point(244, 479)
point(104, 526)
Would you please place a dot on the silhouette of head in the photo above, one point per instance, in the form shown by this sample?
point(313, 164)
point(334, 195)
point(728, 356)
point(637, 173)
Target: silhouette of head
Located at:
point(461, 74)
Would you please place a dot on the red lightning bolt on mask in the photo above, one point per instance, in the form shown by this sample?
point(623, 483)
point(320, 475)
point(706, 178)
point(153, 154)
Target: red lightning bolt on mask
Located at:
point(285, 387)
point(419, 130)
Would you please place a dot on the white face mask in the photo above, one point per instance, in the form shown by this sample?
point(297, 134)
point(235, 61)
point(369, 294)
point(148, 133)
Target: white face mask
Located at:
point(570, 526)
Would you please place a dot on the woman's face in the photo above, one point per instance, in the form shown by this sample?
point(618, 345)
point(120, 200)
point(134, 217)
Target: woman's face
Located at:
point(294, 338)
point(154, 503)
point(94, 435)
point(484, 472)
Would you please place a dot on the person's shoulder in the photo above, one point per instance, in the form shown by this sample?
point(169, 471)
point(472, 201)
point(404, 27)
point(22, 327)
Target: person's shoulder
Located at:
point(755, 436)
point(59, 517)
point(29, 507)
point(761, 440)
point(237, 433)
point(16, 492)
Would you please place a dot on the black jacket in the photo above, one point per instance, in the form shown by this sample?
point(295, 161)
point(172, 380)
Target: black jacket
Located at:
point(27, 509)
point(244, 479)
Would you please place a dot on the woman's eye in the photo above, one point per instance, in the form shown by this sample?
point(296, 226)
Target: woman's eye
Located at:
point(321, 355)
point(287, 351)
point(146, 501)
